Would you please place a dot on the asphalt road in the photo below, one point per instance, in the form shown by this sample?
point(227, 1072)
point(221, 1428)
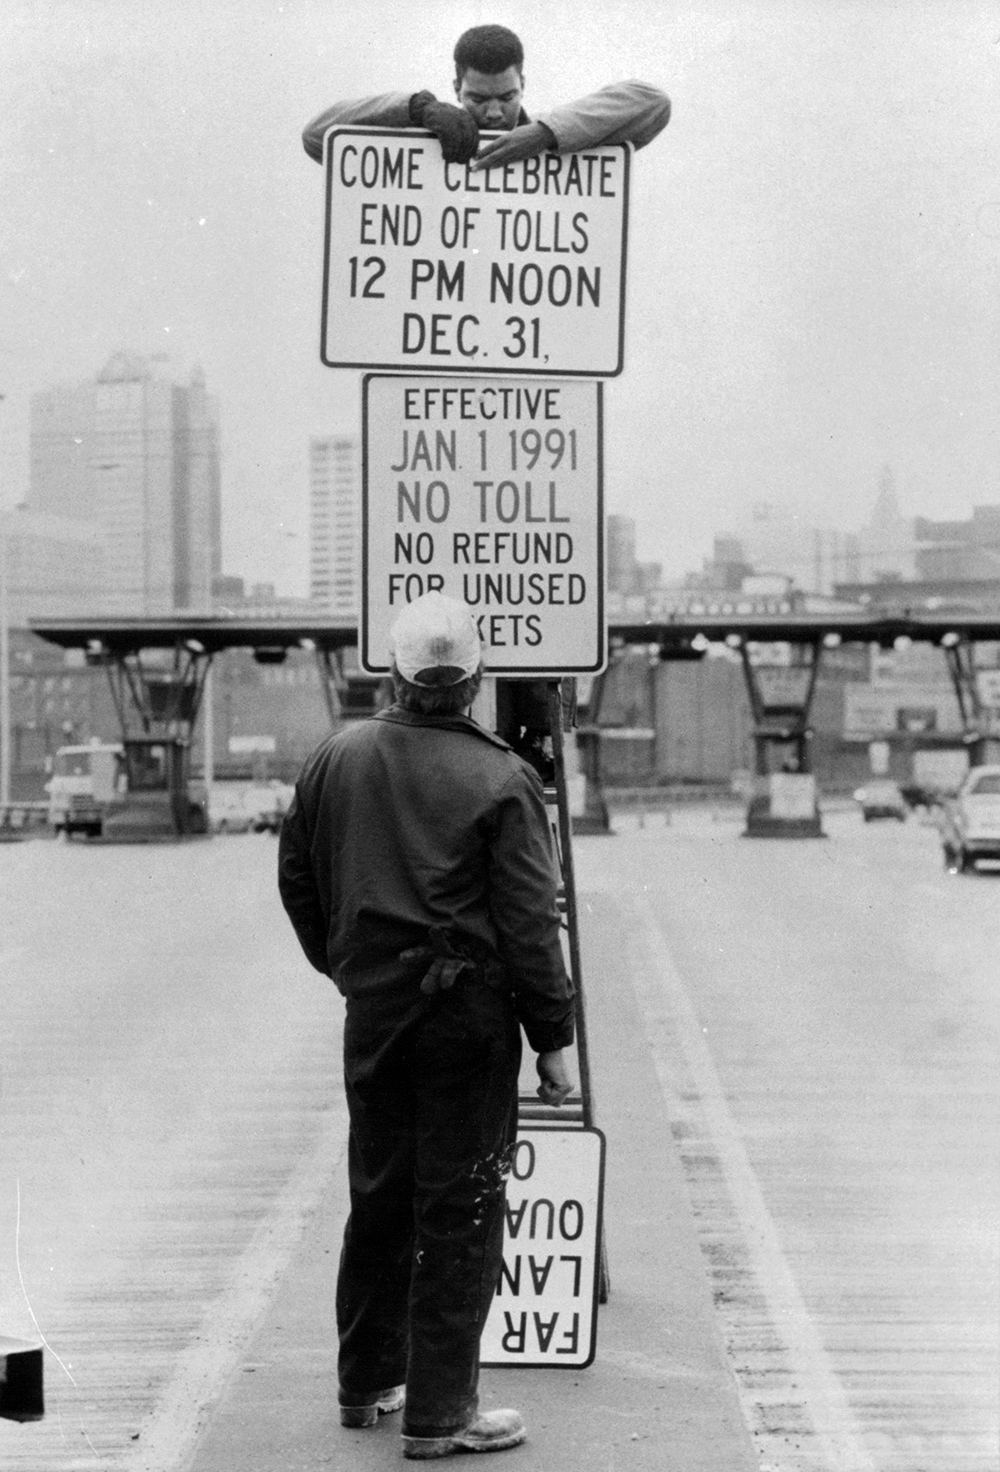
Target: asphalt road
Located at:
point(822, 1017)
point(832, 1057)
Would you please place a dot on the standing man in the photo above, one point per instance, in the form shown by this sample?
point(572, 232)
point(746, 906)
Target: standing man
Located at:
point(489, 84)
point(416, 867)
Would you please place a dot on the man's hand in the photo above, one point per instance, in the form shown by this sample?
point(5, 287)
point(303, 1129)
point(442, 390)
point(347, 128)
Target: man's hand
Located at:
point(523, 142)
point(454, 128)
point(444, 964)
point(555, 1083)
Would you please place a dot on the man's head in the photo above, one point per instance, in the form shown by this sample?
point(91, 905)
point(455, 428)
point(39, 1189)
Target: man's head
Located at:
point(436, 656)
point(489, 76)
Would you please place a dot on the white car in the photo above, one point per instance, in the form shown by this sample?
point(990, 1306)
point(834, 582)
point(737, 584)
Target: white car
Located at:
point(970, 822)
point(227, 810)
point(267, 804)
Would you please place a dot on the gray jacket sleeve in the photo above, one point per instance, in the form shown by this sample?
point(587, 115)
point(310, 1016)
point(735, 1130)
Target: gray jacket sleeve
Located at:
point(525, 916)
point(625, 112)
point(390, 110)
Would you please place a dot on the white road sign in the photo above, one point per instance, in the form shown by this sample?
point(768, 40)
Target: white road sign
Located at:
point(545, 1311)
point(515, 269)
point(491, 492)
point(252, 745)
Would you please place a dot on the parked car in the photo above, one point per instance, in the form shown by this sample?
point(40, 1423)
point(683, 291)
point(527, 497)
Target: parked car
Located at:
point(920, 795)
point(267, 804)
point(970, 822)
point(880, 799)
point(227, 810)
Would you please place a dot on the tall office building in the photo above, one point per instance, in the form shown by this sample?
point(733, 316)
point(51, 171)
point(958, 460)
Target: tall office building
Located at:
point(778, 539)
point(55, 566)
point(335, 523)
point(137, 455)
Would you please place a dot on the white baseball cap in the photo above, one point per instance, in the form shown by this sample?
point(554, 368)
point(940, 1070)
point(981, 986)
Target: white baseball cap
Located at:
point(433, 636)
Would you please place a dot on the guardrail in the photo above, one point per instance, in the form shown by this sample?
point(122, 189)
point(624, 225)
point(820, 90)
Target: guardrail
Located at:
point(18, 819)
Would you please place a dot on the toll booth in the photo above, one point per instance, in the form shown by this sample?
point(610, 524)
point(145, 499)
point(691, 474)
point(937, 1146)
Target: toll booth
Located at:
point(978, 695)
point(784, 802)
point(160, 802)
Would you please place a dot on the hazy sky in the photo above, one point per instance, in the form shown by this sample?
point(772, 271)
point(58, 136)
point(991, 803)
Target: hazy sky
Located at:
point(813, 285)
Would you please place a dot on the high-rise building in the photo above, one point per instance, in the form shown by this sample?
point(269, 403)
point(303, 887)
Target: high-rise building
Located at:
point(626, 574)
point(55, 566)
point(138, 455)
point(335, 523)
point(779, 540)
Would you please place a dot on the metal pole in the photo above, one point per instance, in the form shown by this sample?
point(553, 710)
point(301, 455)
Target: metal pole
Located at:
point(4, 668)
point(208, 733)
point(4, 663)
point(569, 882)
point(573, 925)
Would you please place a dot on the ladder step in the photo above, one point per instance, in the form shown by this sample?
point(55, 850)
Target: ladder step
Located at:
point(569, 1112)
point(541, 1115)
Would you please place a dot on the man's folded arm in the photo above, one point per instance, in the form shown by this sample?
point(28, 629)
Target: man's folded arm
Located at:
point(625, 112)
point(389, 110)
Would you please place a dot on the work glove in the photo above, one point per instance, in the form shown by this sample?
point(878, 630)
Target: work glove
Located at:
point(454, 128)
point(446, 964)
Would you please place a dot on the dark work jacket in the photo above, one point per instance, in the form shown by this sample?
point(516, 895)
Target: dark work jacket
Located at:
point(404, 822)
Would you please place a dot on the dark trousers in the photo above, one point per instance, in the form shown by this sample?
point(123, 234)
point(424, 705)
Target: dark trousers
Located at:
point(432, 1094)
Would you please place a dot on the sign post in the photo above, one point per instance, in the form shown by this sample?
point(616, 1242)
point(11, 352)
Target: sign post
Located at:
point(433, 266)
point(490, 491)
point(504, 290)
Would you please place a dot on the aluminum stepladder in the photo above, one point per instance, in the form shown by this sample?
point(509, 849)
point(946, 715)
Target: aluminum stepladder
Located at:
point(578, 1109)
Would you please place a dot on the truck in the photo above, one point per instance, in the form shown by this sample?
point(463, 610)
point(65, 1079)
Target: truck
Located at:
point(87, 783)
point(136, 790)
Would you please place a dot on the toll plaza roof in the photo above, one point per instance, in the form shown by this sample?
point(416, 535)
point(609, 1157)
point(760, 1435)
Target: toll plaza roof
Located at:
point(714, 623)
point(860, 625)
point(213, 632)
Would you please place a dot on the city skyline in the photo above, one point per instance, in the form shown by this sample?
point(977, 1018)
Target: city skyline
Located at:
point(71, 425)
point(813, 241)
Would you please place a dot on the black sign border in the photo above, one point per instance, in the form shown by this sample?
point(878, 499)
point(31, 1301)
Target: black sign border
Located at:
point(508, 671)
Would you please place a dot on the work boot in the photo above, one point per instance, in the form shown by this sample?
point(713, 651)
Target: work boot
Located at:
point(384, 1404)
point(491, 1431)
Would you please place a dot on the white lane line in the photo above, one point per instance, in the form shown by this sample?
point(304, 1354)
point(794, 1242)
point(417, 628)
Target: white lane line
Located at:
point(168, 1439)
point(838, 1436)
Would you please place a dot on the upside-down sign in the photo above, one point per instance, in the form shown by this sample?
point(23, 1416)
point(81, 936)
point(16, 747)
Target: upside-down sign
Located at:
point(489, 491)
point(518, 268)
point(545, 1310)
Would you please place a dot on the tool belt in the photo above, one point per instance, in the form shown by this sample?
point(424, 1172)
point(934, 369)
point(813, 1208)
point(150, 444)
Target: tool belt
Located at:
point(452, 958)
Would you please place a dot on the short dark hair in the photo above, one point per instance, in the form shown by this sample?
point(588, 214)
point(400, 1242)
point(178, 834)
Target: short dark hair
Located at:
point(444, 700)
point(488, 49)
